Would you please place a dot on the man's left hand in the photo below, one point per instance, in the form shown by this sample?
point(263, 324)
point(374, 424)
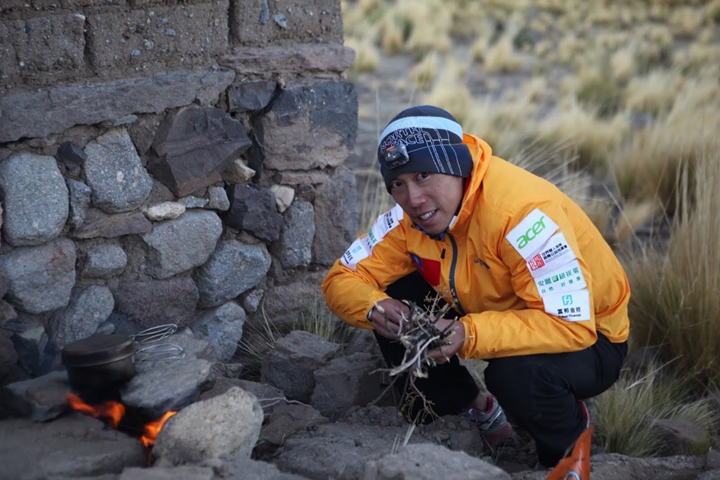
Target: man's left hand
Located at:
point(455, 338)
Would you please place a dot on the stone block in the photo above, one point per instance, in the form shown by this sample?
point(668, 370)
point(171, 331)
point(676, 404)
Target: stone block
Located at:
point(263, 22)
point(54, 110)
point(194, 145)
point(346, 382)
point(310, 126)
point(335, 216)
point(49, 46)
point(168, 36)
point(291, 365)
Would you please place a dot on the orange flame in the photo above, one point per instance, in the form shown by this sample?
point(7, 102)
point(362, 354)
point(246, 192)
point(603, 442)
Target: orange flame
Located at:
point(152, 429)
point(110, 410)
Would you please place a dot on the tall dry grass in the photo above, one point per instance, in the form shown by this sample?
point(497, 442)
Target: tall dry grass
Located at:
point(675, 300)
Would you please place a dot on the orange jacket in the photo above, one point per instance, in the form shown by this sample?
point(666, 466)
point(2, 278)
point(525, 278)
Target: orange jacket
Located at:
point(524, 267)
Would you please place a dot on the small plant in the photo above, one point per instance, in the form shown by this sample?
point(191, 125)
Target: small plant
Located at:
point(625, 412)
point(319, 321)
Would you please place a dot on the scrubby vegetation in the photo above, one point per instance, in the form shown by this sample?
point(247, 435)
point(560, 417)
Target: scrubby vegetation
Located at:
point(618, 102)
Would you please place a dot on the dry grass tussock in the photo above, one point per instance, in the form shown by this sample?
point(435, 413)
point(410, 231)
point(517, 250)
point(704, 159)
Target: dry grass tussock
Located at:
point(676, 293)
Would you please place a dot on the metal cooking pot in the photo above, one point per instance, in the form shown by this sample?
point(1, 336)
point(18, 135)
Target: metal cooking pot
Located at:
point(99, 361)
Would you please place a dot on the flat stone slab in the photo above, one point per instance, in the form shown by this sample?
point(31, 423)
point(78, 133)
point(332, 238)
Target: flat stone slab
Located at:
point(72, 446)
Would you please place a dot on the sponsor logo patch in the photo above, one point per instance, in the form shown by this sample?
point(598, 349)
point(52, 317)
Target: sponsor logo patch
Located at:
point(531, 233)
point(554, 253)
point(570, 306)
point(355, 254)
point(567, 278)
point(362, 248)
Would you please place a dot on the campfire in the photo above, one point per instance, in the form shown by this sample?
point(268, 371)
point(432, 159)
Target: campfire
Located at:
point(114, 413)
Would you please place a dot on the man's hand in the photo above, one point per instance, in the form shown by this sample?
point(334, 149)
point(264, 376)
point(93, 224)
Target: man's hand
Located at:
point(456, 339)
point(392, 310)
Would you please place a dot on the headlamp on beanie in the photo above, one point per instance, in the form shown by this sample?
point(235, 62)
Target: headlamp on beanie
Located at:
point(423, 139)
point(396, 156)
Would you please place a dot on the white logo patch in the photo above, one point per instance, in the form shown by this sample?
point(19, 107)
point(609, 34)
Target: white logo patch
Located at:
point(567, 278)
point(554, 253)
point(570, 306)
point(531, 233)
point(362, 248)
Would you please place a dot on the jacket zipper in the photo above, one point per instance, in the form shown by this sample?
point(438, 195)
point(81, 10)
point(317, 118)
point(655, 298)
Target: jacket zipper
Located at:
point(453, 291)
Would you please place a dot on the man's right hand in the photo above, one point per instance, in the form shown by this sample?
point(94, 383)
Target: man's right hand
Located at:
point(385, 317)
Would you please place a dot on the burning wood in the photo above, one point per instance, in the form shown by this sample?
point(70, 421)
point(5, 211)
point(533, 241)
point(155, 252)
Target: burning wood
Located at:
point(113, 412)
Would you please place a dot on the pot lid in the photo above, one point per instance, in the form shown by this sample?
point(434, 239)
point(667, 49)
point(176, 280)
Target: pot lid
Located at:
point(97, 350)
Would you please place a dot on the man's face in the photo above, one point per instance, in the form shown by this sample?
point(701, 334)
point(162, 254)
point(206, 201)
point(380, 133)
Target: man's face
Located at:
point(429, 199)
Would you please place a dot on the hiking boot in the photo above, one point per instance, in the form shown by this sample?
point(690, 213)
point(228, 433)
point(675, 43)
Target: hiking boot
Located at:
point(492, 424)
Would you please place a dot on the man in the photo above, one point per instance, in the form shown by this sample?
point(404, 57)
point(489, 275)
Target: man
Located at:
point(537, 291)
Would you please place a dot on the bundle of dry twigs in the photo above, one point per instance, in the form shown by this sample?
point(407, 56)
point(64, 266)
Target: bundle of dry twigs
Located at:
point(420, 334)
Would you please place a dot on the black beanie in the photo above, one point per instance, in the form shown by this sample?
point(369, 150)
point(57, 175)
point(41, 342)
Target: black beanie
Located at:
point(423, 139)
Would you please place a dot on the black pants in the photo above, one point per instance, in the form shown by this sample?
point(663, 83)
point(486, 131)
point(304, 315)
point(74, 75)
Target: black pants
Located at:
point(539, 392)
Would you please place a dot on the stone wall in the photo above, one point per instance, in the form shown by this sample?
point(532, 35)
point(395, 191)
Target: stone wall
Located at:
point(166, 161)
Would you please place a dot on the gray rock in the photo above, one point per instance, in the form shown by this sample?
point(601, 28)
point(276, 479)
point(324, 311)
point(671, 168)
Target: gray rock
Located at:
point(232, 269)
point(335, 216)
point(183, 472)
point(242, 467)
point(222, 328)
point(194, 145)
point(286, 419)
point(181, 244)
point(111, 226)
point(7, 314)
point(681, 437)
point(30, 346)
point(252, 301)
point(8, 357)
point(72, 446)
point(218, 199)
point(285, 303)
point(614, 466)
point(336, 450)
point(53, 110)
point(310, 126)
point(193, 202)
point(157, 302)
point(40, 278)
point(166, 385)
point(35, 199)
point(79, 201)
point(226, 425)
point(291, 365)
point(4, 281)
point(345, 382)
point(113, 170)
point(40, 399)
point(71, 155)
point(86, 311)
point(296, 239)
point(425, 461)
point(104, 261)
point(253, 209)
point(249, 96)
